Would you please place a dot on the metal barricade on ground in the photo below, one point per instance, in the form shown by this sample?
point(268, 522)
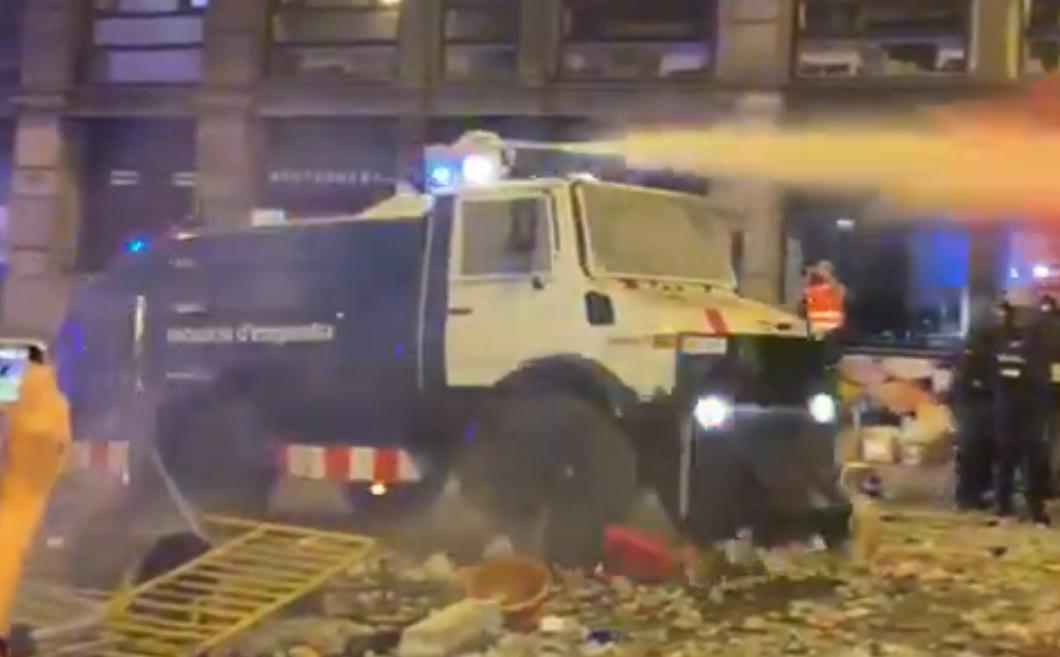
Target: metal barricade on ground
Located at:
point(260, 569)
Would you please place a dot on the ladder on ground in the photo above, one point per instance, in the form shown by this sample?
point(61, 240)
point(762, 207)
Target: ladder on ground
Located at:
point(206, 602)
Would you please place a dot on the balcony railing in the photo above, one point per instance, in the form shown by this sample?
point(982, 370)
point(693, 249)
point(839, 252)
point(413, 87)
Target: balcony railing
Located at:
point(335, 39)
point(481, 39)
point(872, 39)
point(161, 41)
point(631, 40)
point(146, 41)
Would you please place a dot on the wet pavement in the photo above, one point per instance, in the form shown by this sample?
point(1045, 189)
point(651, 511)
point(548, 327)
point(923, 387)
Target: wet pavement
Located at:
point(937, 583)
point(940, 584)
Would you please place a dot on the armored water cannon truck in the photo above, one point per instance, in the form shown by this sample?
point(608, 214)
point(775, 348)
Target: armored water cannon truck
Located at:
point(556, 344)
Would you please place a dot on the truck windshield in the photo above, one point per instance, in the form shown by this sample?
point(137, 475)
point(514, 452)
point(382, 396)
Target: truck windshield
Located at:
point(641, 232)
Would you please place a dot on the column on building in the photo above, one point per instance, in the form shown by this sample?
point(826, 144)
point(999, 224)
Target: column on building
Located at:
point(411, 137)
point(539, 38)
point(988, 262)
point(44, 208)
point(754, 42)
point(997, 35)
point(757, 208)
point(754, 45)
point(420, 43)
point(228, 144)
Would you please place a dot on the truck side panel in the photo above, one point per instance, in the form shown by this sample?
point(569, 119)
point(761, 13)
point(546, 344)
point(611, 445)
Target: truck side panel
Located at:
point(318, 326)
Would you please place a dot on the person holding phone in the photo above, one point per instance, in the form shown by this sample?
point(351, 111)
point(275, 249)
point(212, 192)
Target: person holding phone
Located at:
point(35, 448)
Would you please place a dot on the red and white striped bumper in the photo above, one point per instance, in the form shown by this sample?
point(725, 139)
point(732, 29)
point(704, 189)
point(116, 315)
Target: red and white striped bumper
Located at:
point(110, 458)
point(338, 464)
point(349, 464)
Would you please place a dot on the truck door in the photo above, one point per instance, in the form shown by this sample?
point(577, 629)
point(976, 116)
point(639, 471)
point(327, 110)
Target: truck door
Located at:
point(501, 260)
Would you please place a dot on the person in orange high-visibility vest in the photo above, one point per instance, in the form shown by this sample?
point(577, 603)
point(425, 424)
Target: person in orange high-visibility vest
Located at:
point(824, 297)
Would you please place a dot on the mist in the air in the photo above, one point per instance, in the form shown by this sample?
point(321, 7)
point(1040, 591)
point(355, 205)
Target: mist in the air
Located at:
point(989, 158)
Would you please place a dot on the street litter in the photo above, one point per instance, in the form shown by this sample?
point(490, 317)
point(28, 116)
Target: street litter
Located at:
point(924, 584)
point(466, 626)
point(521, 586)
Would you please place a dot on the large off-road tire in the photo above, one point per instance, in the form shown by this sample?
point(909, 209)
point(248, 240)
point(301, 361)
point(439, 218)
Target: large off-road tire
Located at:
point(554, 454)
point(220, 456)
point(169, 553)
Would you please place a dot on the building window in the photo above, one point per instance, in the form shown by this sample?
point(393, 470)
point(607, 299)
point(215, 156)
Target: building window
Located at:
point(906, 280)
point(147, 41)
point(346, 39)
point(481, 39)
point(135, 184)
point(637, 40)
point(873, 39)
point(10, 42)
point(1041, 20)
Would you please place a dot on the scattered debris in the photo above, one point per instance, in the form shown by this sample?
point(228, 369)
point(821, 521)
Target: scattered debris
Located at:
point(465, 626)
point(303, 636)
point(498, 548)
point(920, 584)
point(520, 585)
point(437, 568)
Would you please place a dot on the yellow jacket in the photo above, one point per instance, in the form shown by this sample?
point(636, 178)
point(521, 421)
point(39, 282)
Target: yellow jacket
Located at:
point(34, 455)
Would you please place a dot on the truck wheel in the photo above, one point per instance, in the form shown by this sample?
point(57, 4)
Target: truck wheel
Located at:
point(169, 553)
point(220, 456)
point(558, 454)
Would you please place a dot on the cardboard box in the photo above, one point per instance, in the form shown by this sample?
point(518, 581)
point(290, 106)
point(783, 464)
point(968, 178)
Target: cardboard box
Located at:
point(879, 444)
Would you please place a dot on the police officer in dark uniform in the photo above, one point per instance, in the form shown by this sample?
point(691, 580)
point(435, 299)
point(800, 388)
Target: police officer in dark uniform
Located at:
point(972, 401)
point(1046, 345)
point(1019, 422)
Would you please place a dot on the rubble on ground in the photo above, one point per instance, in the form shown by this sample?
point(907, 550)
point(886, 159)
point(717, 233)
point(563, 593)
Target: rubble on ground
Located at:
point(939, 585)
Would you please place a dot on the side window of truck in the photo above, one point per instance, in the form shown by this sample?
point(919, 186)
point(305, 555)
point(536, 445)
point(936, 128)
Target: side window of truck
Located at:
point(505, 236)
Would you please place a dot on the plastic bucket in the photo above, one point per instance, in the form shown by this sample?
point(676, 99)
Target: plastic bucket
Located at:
point(522, 585)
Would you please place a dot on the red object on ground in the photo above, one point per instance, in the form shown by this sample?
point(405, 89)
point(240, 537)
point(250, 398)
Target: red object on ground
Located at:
point(638, 555)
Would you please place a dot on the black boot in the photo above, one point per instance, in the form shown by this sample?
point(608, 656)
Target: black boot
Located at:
point(20, 644)
point(1005, 509)
point(1039, 515)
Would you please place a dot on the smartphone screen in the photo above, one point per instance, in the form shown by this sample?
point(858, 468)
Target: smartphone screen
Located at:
point(14, 358)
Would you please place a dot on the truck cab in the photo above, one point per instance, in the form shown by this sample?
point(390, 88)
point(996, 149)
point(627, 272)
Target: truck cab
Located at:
point(558, 343)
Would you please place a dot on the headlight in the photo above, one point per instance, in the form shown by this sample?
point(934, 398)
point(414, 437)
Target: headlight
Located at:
point(479, 170)
point(823, 408)
point(712, 412)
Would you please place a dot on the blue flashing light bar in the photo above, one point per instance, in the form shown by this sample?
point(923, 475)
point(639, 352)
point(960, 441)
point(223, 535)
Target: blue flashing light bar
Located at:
point(135, 244)
point(470, 162)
